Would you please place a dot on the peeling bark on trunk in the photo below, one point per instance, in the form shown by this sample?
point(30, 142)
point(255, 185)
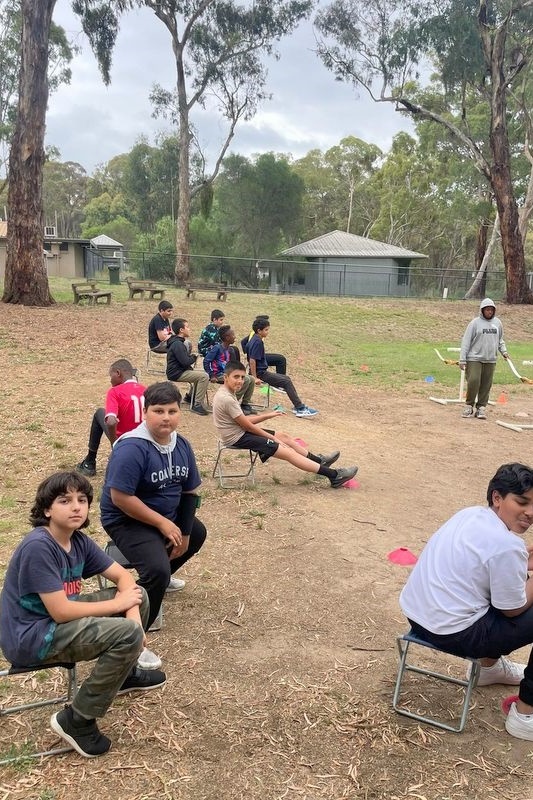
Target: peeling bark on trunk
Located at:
point(26, 281)
point(500, 172)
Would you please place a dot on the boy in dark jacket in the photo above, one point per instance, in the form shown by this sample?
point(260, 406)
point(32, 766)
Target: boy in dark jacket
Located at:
point(180, 365)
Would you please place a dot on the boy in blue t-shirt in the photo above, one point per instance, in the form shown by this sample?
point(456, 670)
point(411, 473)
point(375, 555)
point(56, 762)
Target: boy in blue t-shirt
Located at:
point(259, 369)
point(44, 617)
point(149, 498)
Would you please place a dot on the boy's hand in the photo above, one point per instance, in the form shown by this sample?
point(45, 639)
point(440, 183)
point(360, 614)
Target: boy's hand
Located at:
point(171, 532)
point(128, 598)
point(258, 381)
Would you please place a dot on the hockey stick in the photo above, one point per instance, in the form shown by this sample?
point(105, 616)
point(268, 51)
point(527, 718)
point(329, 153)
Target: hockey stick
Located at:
point(517, 374)
point(446, 360)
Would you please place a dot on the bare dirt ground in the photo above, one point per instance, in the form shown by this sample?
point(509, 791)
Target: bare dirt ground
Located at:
point(280, 652)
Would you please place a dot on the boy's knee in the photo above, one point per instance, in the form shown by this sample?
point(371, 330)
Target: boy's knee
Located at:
point(198, 536)
point(131, 635)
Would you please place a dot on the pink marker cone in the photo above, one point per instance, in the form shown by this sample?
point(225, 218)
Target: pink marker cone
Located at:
point(402, 556)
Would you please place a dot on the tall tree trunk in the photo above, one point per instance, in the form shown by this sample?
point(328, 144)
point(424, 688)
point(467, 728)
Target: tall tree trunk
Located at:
point(500, 170)
point(26, 281)
point(182, 271)
point(480, 281)
point(481, 249)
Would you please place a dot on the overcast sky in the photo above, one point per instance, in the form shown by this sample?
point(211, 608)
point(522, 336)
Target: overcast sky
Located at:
point(90, 123)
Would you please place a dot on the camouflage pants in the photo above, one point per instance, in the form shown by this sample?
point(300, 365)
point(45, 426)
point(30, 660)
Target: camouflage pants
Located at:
point(115, 643)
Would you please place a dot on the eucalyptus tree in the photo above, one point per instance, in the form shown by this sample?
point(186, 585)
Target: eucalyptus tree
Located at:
point(218, 49)
point(475, 46)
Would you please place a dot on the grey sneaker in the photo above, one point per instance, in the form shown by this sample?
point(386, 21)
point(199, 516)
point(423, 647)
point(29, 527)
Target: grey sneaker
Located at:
point(328, 459)
point(468, 411)
point(175, 585)
point(148, 660)
point(481, 413)
point(199, 409)
point(82, 735)
point(343, 474)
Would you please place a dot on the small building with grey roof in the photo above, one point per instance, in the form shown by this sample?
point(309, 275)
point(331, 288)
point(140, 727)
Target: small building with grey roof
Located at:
point(340, 263)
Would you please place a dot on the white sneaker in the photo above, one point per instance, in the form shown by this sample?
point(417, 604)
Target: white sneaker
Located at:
point(468, 411)
point(519, 725)
point(481, 413)
point(148, 660)
point(503, 671)
point(157, 624)
point(175, 585)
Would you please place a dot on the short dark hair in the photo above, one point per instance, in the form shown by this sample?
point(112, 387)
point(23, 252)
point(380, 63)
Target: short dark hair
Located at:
point(262, 316)
point(123, 365)
point(512, 478)
point(162, 394)
point(260, 324)
point(164, 305)
point(53, 487)
point(177, 324)
point(222, 331)
point(216, 313)
point(233, 366)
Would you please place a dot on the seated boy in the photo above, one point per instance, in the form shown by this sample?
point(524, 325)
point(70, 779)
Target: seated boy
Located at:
point(149, 499)
point(159, 330)
point(469, 592)
point(123, 412)
point(276, 360)
point(259, 369)
point(215, 364)
point(237, 430)
point(210, 335)
point(44, 617)
point(180, 365)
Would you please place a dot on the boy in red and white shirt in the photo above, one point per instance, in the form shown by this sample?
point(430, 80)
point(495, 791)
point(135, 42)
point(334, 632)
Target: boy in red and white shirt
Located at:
point(123, 412)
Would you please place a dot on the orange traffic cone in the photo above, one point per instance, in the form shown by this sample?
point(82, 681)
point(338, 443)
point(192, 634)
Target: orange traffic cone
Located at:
point(502, 399)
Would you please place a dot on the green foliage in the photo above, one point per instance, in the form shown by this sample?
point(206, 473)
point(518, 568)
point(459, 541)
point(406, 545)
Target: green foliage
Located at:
point(260, 203)
point(64, 195)
point(61, 53)
point(154, 253)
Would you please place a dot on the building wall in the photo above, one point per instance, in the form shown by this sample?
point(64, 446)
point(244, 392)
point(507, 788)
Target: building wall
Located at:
point(352, 277)
point(60, 263)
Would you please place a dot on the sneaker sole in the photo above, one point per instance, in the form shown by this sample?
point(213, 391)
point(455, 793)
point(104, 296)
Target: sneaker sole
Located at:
point(141, 688)
point(170, 590)
point(54, 724)
point(340, 485)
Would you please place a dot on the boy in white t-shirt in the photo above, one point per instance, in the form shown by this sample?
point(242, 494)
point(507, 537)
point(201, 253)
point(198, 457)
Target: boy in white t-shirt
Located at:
point(469, 592)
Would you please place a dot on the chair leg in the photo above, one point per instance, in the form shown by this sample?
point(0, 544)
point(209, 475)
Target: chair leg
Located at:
point(72, 688)
point(467, 684)
point(218, 470)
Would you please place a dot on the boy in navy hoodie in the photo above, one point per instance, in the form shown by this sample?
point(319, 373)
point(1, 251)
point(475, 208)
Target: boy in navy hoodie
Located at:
point(149, 498)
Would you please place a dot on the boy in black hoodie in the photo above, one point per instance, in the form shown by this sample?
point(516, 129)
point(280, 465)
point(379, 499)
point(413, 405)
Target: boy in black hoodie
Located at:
point(180, 365)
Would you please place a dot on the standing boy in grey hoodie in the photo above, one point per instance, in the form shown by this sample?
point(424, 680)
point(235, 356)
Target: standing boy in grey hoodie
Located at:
point(481, 342)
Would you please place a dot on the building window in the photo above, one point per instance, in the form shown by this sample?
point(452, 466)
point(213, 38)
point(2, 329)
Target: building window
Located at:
point(47, 246)
point(63, 247)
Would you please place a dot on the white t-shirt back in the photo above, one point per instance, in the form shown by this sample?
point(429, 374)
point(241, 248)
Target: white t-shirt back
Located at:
point(472, 562)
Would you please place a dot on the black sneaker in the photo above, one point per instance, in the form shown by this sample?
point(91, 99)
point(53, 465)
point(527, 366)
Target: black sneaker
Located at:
point(142, 680)
point(343, 474)
point(247, 409)
point(83, 735)
point(87, 468)
point(329, 459)
point(199, 409)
